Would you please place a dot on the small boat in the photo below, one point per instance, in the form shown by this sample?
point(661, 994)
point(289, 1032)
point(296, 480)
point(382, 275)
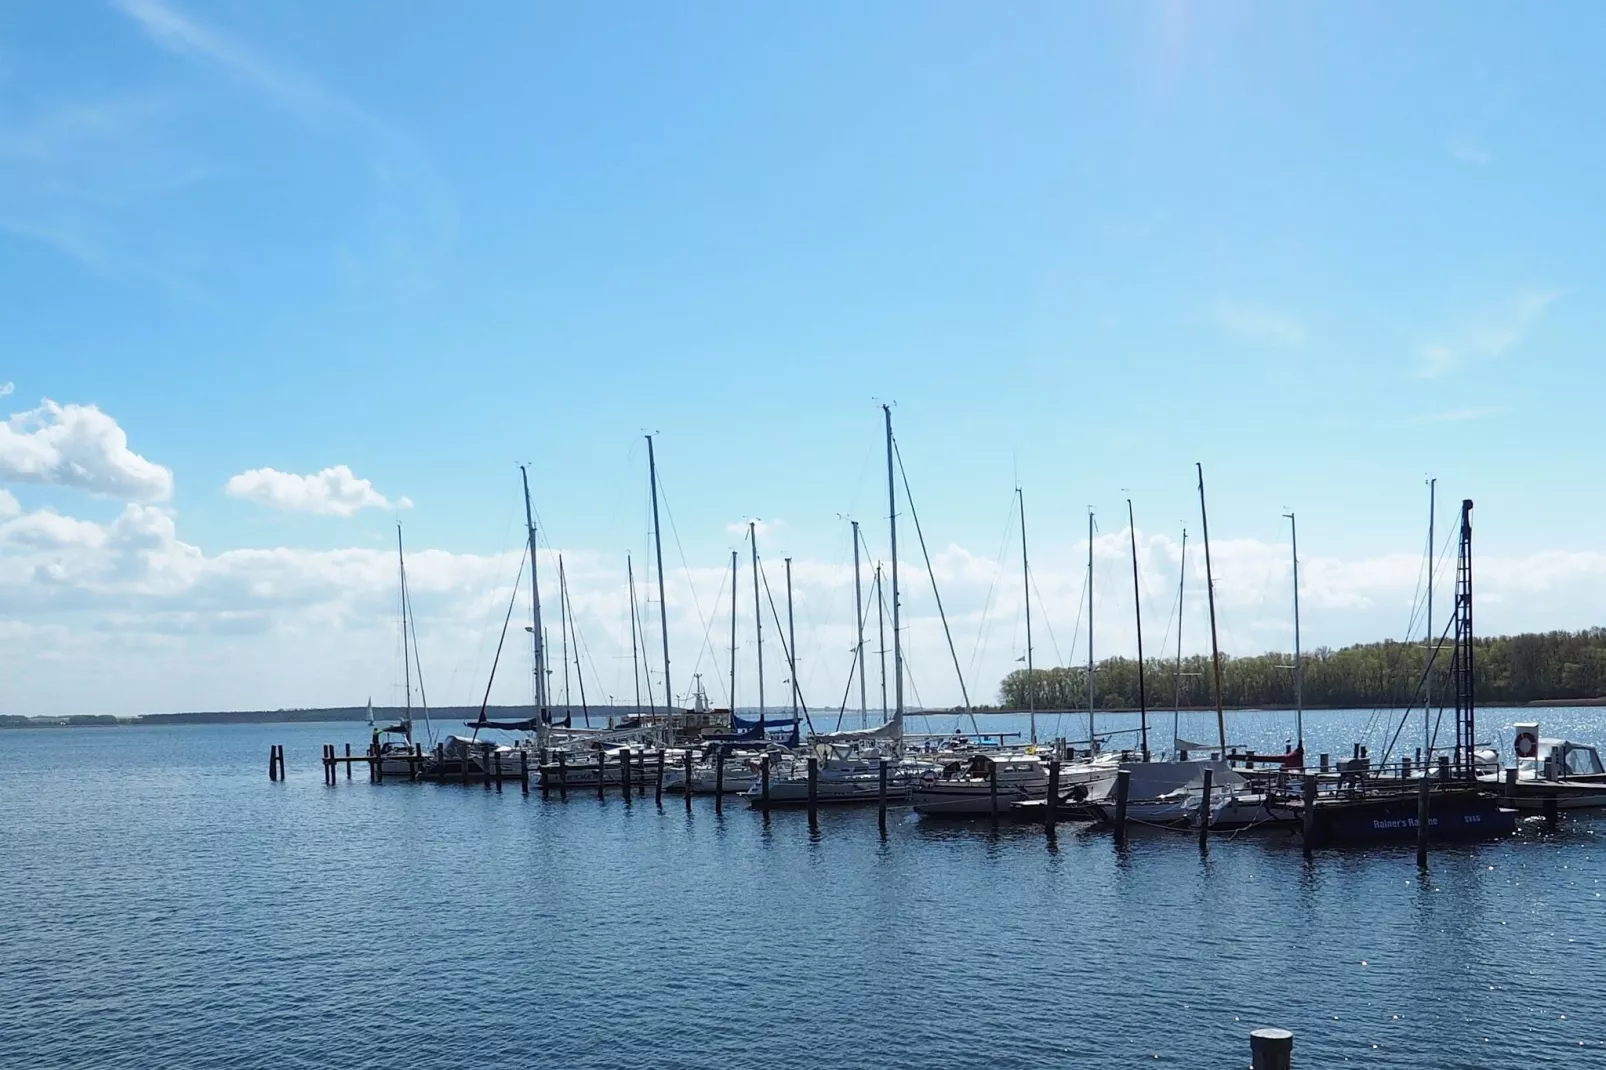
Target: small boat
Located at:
point(966, 789)
point(1548, 773)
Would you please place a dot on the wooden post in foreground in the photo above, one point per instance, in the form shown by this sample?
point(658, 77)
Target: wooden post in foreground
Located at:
point(563, 774)
point(719, 780)
point(1204, 810)
point(814, 787)
point(1422, 790)
point(992, 788)
point(1271, 1049)
point(1308, 815)
point(1123, 787)
point(658, 786)
point(764, 782)
point(624, 774)
point(602, 771)
point(687, 760)
point(524, 771)
point(883, 794)
point(1051, 807)
point(348, 761)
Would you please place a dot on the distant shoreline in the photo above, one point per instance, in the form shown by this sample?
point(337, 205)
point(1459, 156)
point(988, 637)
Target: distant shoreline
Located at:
point(458, 715)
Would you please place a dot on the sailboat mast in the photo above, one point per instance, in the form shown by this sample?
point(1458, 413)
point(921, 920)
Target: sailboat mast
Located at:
point(579, 673)
point(1092, 741)
point(1210, 589)
point(407, 665)
point(791, 639)
point(758, 615)
point(536, 634)
point(881, 637)
point(733, 635)
point(1182, 587)
point(1137, 610)
point(1427, 701)
point(635, 661)
point(892, 527)
point(1299, 660)
point(858, 615)
point(658, 548)
point(1026, 590)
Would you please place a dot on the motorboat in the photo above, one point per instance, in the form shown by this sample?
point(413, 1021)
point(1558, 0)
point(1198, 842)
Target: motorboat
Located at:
point(1549, 772)
point(968, 788)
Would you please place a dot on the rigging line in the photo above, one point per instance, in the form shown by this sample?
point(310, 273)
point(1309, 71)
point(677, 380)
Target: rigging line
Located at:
point(1048, 621)
point(579, 674)
point(583, 648)
point(992, 589)
point(909, 497)
point(1448, 626)
point(708, 643)
point(864, 619)
point(511, 602)
point(791, 662)
point(418, 668)
point(690, 584)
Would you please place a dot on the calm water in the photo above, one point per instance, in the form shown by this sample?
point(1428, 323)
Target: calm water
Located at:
point(166, 905)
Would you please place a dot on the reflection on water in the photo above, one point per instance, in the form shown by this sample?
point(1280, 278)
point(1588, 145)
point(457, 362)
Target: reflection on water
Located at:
point(167, 905)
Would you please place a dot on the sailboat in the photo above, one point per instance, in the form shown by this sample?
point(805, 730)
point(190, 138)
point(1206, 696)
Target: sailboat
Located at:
point(393, 744)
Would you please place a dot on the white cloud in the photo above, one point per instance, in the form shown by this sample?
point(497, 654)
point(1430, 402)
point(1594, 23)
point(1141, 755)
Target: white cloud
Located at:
point(1487, 335)
point(1468, 151)
point(7, 389)
point(332, 492)
point(78, 446)
point(1257, 324)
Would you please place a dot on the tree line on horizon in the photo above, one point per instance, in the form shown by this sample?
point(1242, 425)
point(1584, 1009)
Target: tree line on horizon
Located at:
point(1507, 670)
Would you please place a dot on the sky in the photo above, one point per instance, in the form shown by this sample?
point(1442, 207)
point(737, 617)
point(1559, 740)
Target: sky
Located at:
point(275, 279)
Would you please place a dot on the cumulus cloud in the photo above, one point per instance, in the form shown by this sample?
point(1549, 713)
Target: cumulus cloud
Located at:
point(332, 492)
point(78, 446)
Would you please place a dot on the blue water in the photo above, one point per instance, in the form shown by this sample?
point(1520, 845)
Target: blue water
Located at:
point(162, 904)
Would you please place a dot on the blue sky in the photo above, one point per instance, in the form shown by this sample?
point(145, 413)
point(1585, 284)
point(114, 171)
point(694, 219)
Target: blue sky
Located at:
point(1327, 250)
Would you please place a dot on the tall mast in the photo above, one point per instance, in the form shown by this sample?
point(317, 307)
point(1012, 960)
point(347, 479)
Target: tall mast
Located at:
point(658, 547)
point(892, 527)
point(733, 635)
point(1299, 661)
point(1182, 585)
point(858, 613)
point(1137, 610)
point(1465, 682)
point(758, 615)
point(536, 635)
point(1427, 701)
point(1092, 741)
point(791, 639)
point(563, 626)
point(635, 662)
point(1210, 589)
point(407, 665)
point(1026, 589)
point(881, 637)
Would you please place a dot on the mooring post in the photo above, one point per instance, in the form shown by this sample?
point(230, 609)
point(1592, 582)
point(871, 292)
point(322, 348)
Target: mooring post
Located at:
point(1326, 761)
point(348, 761)
point(1204, 810)
point(273, 761)
point(1511, 783)
point(376, 766)
point(658, 783)
point(498, 759)
point(328, 766)
point(1052, 803)
point(686, 762)
point(882, 792)
point(1308, 815)
point(462, 766)
point(524, 771)
point(415, 768)
point(1444, 769)
point(602, 769)
point(1123, 786)
point(992, 789)
point(624, 774)
point(1271, 1049)
point(719, 781)
point(1552, 813)
point(764, 783)
point(814, 786)
point(1423, 787)
point(563, 774)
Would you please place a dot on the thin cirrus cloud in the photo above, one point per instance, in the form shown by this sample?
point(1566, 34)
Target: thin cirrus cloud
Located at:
point(1256, 323)
point(335, 491)
point(80, 447)
point(1492, 333)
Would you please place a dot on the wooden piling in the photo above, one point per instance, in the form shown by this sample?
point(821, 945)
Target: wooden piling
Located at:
point(602, 772)
point(764, 783)
point(686, 763)
point(524, 771)
point(1204, 810)
point(496, 757)
point(1552, 813)
point(1327, 760)
point(376, 767)
point(1123, 787)
point(992, 789)
point(883, 793)
point(1422, 823)
point(1051, 805)
point(719, 780)
point(814, 786)
point(1444, 769)
point(624, 773)
point(1405, 767)
point(348, 761)
point(658, 783)
point(563, 774)
point(1308, 815)
point(273, 762)
point(1271, 1049)
point(415, 768)
point(462, 767)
